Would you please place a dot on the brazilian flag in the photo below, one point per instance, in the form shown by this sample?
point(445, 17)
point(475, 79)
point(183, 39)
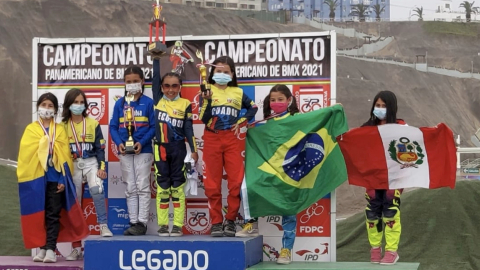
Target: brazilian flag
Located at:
point(293, 162)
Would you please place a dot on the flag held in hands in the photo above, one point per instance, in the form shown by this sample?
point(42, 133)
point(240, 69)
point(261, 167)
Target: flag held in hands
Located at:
point(293, 162)
point(394, 156)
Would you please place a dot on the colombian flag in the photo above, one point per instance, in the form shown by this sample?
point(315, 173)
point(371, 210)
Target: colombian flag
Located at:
point(292, 163)
point(32, 163)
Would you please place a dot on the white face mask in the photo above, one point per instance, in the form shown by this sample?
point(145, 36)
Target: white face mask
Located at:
point(45, 113)
point(133, 88)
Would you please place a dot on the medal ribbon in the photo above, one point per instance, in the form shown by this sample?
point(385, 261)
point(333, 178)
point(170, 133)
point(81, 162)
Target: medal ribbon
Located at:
point(79, 149)
point(51, 140)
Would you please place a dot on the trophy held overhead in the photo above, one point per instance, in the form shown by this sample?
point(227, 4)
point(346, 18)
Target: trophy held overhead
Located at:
point(157, 48)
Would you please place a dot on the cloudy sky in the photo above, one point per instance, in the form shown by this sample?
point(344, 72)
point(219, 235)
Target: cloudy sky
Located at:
point(401, 8)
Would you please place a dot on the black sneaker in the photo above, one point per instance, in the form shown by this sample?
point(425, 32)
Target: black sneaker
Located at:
point(176, 231)
point(216, 230)
point(129, 230)
point(229, 228)
point(163, 231)
point(138, 229)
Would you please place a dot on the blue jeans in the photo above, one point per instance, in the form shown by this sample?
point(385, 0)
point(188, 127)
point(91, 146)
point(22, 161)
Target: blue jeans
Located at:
point(289, 225)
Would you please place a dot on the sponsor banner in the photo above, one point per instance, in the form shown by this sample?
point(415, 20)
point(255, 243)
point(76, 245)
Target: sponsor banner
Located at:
point(312, 249)
point(274, 58)
point(197, 217)
point(118, 218)
point(117, 185)
point(271, 226)
point(311, 97)
point(187, 252)
point(271, 248)
point(90, 214)
point(97, 104)
point(315, 220)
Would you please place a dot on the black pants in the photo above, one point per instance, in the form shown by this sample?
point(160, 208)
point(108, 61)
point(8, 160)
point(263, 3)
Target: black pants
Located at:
point(53, 207)
point(170, 164)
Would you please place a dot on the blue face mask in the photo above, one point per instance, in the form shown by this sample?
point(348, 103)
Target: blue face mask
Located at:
point(77, 109)
point(380, 113)
point(222, 78)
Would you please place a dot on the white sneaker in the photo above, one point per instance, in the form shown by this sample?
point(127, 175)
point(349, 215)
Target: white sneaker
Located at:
point(40, 255)
point(50, 257)
point(105, 231)
point(285, 256)
point(249, 230)
point(74, 255)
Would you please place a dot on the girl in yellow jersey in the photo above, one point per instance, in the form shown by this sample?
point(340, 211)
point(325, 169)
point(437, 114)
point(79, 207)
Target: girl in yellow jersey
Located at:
point(220, 111)
point(173, 125)
point(87, 147)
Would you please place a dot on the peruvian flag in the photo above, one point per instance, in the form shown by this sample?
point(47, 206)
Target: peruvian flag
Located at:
point(394, 156)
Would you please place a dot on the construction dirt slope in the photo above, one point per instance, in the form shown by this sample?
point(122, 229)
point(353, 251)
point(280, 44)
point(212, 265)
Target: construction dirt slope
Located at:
point(424, 98)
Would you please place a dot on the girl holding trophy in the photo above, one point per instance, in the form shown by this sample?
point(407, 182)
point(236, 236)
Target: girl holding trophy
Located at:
point(87, 146)
point(220, 111)
point(174, 124)
point(132, 128)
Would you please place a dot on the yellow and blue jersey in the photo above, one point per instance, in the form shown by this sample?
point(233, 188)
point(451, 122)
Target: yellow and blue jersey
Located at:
point(94, 145)
point(222, 111)
point(143, 127)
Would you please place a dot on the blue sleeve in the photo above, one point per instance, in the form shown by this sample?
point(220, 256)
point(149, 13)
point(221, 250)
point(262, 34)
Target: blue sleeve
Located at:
point(100, 147)
point(156, 90)
point(251, 107)
point(205, 110)
point(188, 129)
point(151, 120)
point(115, 124)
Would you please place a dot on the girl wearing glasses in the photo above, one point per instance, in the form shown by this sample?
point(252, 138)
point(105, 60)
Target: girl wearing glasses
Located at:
point(174, 123)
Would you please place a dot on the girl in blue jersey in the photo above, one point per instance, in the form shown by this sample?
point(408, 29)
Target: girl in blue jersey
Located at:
point(282, 104)
point(135, 167)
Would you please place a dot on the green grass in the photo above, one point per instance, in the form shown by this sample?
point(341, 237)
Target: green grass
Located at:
point(452, 28)
point(440, 229)
point(10, 231)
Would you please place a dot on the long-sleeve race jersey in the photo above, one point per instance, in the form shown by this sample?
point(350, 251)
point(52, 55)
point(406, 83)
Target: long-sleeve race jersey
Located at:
point(94, 144)
point(143, 128)
point(222, 111)
point(173, 118)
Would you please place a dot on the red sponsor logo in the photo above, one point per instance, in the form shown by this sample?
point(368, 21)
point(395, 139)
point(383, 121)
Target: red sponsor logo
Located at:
point(197, 217)
point(315, 220)
point(313, 255)
point(90, 215)
point(97, 104)
point(313, 97)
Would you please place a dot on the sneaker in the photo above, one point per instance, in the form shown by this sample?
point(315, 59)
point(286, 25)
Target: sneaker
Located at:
point(249, 230)
point(74, 255)
point(129, 230)
point(285, 256)
point(50, 257)
point(163, 231)
point(138, 229)
point(40, 255)
point(216, 230)
point(229, 228)
point(105, 231)
point(176, 231)
point(390, 258)
point(375, 254)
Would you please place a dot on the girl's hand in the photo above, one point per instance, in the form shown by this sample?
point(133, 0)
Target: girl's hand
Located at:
point(121, 148)
point(207, 94)
point(60, 188)
point(195, 157)
point(101, 174)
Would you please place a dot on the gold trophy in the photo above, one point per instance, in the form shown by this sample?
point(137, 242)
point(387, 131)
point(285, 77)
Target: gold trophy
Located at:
point(129, 118)
point(157, 48)
point(204, 86)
